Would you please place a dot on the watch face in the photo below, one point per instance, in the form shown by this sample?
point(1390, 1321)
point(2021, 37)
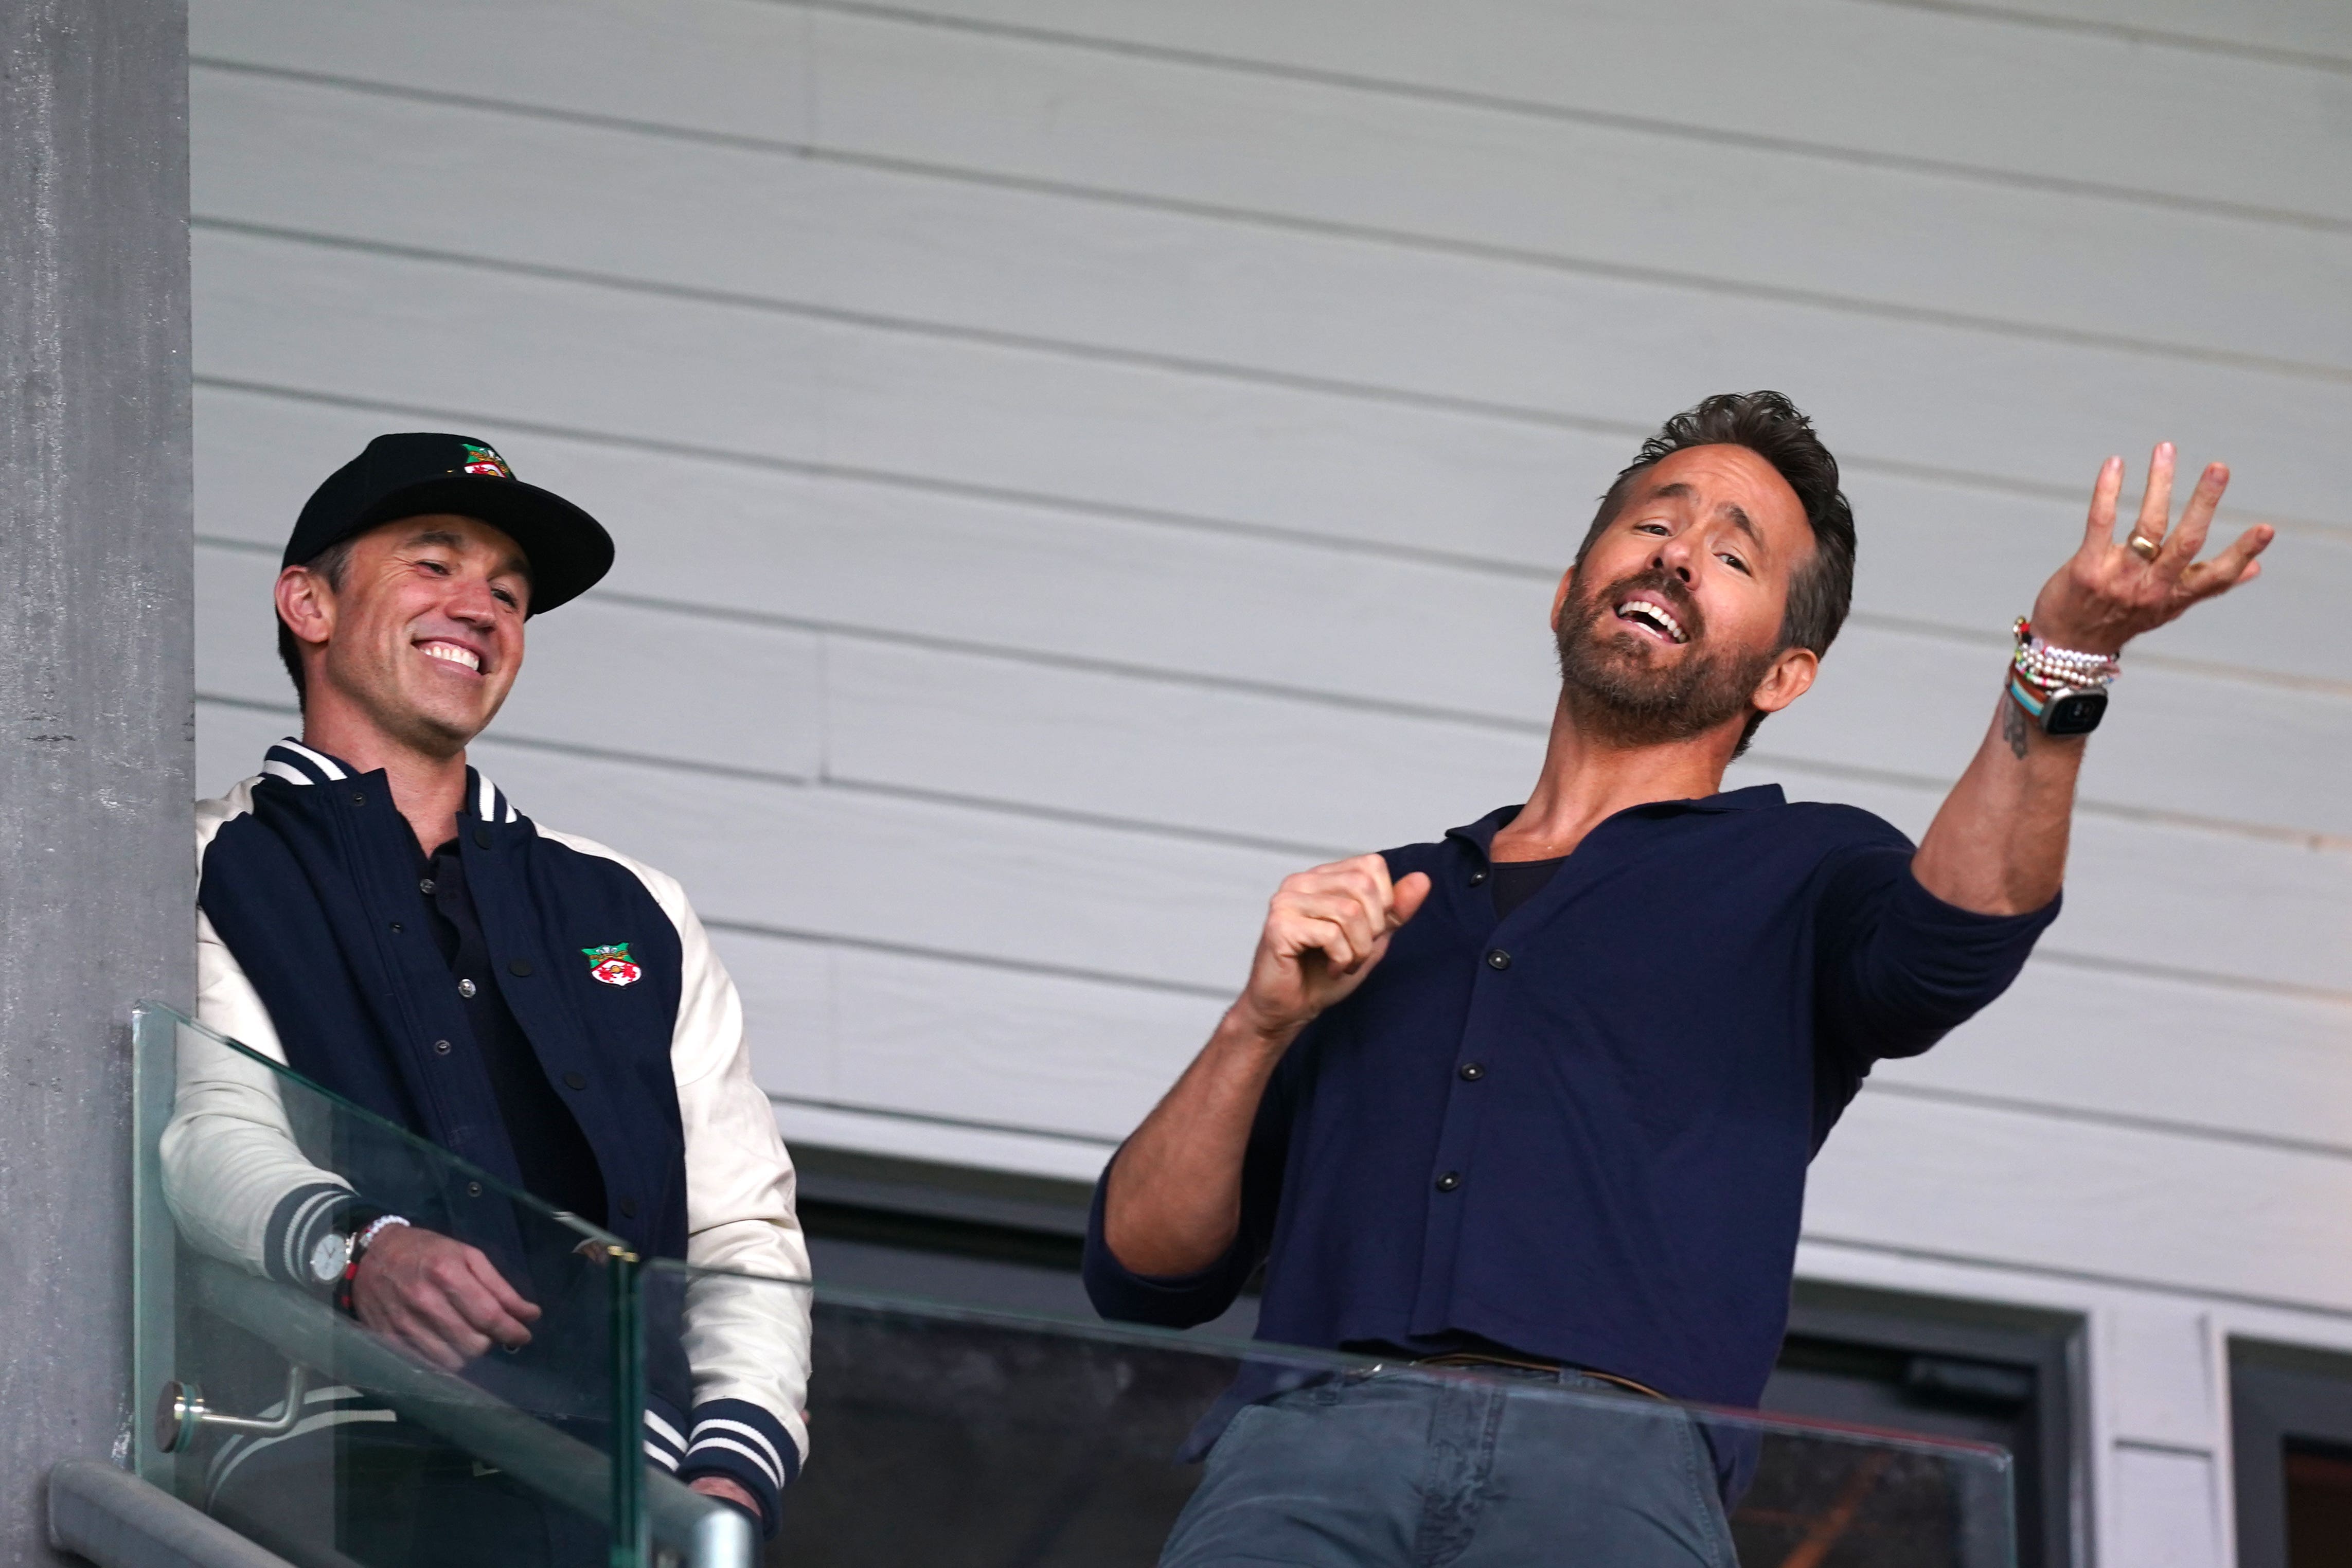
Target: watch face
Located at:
point(327, 1258)
point(2074, 713)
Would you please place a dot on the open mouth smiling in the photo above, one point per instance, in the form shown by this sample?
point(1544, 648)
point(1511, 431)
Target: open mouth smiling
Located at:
point(1645, 613)
point(452, 653)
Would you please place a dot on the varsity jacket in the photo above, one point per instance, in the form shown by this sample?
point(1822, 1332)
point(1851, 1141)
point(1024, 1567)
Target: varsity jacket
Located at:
point(313, 950)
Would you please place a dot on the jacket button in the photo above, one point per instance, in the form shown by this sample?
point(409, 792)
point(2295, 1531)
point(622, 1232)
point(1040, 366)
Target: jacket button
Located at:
point(424, 886)
point(1448, 1182)
point(521, 966)
point(1476, 878)
point(629, 1208)
point(482, 836)
point(574, 1080)
point(467, 989)
point(473, 1189)
point(1472, 1072)
point(395, 926)
point(1498, 959)
point(440, 1048)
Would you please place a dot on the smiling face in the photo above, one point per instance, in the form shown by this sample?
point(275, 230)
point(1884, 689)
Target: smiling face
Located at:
point(1669, 626)
point(422, 639)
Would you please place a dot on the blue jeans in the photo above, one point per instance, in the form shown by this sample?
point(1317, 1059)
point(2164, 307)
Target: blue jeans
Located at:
point(1384, 1471)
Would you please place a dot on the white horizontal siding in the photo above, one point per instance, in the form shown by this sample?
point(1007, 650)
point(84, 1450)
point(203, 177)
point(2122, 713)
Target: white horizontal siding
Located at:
point(1884, 83)
point(1358, 626)
point(1048, 268)
point(2310, 32)
point(1449, 187)
point(1073, 460)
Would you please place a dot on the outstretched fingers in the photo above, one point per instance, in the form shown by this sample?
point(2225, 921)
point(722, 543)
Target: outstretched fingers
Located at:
point(2099, 532)
point(2156, 502)
point(2232, 566)
point(2196, 522)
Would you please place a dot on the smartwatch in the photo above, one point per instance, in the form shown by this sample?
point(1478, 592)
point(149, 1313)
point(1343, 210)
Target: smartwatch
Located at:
point(2067, 710)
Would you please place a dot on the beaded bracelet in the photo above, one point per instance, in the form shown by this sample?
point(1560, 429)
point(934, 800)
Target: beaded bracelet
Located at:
point(2051, 667)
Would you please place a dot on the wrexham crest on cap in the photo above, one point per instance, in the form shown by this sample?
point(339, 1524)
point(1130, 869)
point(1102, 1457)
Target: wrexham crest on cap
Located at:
point(612, 965)
point(481, 459)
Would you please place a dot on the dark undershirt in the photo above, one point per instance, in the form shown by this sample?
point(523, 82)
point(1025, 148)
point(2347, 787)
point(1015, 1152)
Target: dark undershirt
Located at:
point(1516, 881)
point(551, 1153)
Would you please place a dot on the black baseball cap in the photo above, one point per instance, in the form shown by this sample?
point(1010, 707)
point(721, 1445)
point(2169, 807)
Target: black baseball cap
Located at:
point(420, 472)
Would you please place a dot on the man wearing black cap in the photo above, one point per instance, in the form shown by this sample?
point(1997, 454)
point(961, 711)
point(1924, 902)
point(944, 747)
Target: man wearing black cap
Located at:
point(376, 915)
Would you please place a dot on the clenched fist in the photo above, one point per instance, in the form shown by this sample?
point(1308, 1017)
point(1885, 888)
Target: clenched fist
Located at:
point(1324, 931)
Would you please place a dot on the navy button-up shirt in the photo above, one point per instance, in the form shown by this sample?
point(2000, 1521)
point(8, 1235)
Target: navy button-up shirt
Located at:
point(1661, 1037)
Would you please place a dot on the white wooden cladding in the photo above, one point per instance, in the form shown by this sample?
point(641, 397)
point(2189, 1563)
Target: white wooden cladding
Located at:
point(907, 247)
point(1075, 460)
point(1292, 613)
point(1197, 766)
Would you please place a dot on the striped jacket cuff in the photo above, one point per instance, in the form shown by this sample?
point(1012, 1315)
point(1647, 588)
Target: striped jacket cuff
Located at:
point(740, 1440)
point(301, 1217)
point(664, 1434)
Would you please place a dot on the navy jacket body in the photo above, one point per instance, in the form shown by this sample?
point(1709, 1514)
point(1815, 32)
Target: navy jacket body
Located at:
point(311, 883)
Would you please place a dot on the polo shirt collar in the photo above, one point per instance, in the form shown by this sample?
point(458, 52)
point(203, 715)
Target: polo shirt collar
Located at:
point(1480, 835)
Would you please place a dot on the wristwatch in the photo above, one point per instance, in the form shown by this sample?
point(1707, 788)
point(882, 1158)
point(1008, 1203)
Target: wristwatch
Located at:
point(329, 1256)
point(2067, 710)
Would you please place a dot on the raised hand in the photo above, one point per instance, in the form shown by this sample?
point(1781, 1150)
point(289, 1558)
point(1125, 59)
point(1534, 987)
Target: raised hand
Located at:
point(2113, 590)
point(1325, 929)
point(439, 1299)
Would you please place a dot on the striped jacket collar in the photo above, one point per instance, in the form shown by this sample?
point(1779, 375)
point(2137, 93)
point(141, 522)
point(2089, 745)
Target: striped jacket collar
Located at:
point(296, 763)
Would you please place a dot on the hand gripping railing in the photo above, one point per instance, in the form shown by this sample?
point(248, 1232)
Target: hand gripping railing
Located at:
point(687, 1529)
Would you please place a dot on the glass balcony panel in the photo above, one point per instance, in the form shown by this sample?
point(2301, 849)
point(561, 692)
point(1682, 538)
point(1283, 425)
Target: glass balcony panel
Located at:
point(953, 1436)
point(943, 1436)
point(391, 1443)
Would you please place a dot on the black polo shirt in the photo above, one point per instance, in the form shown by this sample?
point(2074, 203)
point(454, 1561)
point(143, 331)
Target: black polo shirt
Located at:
point(557, 1166)
point(1580, 1129)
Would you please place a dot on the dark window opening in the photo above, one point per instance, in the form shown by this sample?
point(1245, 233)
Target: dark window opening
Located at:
point(2291, 1419)
point(1980, 1372)
point(1917, 1364)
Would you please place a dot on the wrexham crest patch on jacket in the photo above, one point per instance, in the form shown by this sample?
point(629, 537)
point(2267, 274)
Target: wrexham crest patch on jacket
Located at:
point(612, 965)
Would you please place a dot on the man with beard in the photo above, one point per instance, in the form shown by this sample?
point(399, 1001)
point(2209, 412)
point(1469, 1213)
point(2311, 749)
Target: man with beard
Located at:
point(1537, 1099)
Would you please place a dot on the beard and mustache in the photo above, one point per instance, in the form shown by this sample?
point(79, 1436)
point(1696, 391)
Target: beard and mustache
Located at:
point(1622, 692)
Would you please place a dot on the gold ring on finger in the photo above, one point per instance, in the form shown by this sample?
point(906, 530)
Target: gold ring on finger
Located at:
point(2143, 546)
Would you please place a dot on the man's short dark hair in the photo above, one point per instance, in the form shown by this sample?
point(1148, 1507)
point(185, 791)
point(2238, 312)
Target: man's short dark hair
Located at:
point(331, 563)
point(1768, 425)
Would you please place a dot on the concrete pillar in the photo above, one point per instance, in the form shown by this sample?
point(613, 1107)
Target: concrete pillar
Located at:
point(96, 706)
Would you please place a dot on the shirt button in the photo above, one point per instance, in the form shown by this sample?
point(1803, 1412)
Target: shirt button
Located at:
point(482, 836)
point(440, 1048)
point(473, 1189)
point(358, 799)
point(424, 886)
point(1448, 1182)
point(466, 989)
point(1472, 1072)
point(1476, 878)
point(521, 966)
point(574, 1080)
point(1498, 959)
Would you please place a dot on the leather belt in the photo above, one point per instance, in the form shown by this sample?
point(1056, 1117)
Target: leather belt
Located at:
point(1473, 1358)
